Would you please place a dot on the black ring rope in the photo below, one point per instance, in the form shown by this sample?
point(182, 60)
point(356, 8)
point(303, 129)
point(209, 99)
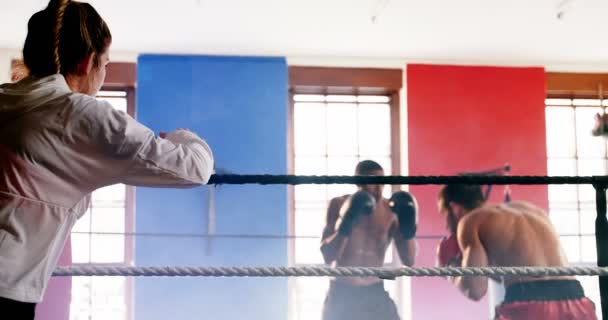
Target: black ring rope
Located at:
point(266, 179)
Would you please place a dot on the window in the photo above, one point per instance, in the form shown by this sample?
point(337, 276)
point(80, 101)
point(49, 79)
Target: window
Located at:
point(571, 151)
point(99, 237)
point(331, 134)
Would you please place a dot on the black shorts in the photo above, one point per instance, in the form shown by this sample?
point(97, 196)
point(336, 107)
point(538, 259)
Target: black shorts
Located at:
point(371, 302)
point(18, 310)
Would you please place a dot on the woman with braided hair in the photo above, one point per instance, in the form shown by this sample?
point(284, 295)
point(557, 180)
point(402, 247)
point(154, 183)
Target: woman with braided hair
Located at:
point(58, 144)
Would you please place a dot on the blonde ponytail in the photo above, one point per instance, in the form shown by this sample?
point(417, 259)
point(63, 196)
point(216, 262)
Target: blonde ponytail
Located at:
point(63, 4)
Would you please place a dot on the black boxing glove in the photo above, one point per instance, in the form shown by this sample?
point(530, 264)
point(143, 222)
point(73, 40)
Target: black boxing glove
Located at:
point(404, 205)
point(358, 204)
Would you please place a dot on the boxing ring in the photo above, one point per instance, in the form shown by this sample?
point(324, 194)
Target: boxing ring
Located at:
point(599, 183)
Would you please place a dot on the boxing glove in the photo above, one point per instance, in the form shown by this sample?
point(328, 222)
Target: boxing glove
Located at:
point(448, 252)
point(404, 205)
point(601, 125)
point(359, 204)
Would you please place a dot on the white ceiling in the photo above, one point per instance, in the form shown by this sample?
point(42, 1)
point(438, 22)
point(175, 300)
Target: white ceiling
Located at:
point(519, 32)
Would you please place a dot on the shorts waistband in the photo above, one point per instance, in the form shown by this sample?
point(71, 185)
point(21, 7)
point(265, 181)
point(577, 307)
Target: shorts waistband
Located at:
point(544, 290)
point(340, 285)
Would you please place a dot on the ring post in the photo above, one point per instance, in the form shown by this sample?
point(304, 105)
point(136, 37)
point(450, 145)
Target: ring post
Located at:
point(601, 240)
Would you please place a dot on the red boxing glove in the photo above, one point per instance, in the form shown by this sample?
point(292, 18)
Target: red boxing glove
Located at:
point(448, 252)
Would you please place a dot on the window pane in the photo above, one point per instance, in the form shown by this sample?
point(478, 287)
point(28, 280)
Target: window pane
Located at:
point(374, 99)
point(558, 102)
point(565, 222)
point(374, 130)
point(106, 289)
point(392, 288)
point(560, 131)
point(107, 248)
point(108, 298)
point(587, 206)
point(309, 97)
point(309, 194)
point(588, 249)
point(561, 166)
point(310, 166)
point(589, 167)
point(388, 258)
point(338, 190)
point(309, 129)
point(592, 291)
point(117, 103)
point(586, 193)
point(341, 166)
point(571, 246)
point(111, 93)
point(586, 102)
point(309, 222)
point(588, 145)
point(108, 220)
point(340, 98)
point(308, 251)
point(80, 248)
point(80, 304)
point(342, 129)
point(588, 222)
point(78, 313)
point(310, 294)
point(104, 314)
point(114, 193)
point(562, 193)
point(84, 223)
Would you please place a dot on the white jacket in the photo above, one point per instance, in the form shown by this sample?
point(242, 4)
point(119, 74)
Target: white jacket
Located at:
point(56, 147)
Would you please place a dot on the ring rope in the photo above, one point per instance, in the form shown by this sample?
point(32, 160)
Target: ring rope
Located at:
point(316, 271)
point(265, 179)
point(251, 236)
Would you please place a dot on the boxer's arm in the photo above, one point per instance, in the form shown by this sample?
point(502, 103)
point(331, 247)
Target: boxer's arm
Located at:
point(406, 248)
point(132, 154)
point(181, 158)
point(473, 255)
point(332, 243)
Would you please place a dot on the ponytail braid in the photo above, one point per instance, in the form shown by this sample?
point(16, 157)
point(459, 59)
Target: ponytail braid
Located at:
point(63, 4)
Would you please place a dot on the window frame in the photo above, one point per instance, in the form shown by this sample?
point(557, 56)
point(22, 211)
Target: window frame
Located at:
point(337, 81)
point(564, 85)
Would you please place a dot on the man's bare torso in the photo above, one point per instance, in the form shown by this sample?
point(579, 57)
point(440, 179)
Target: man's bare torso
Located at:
point(368, 242)
point(516, 234)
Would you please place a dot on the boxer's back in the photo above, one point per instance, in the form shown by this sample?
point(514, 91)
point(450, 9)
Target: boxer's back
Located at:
point(517, 234)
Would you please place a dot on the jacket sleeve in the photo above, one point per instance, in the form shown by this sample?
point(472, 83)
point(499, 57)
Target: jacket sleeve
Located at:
point(182, 159)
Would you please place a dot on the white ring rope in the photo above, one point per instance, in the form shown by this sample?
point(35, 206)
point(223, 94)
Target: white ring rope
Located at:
point(316, 271)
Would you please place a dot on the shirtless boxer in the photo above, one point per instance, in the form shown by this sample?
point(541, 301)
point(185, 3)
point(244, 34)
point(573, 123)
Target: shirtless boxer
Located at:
point(511, 234)
point(358, 231)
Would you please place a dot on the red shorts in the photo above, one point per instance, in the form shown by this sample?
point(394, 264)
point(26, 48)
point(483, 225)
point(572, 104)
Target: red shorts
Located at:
point(547, 299)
